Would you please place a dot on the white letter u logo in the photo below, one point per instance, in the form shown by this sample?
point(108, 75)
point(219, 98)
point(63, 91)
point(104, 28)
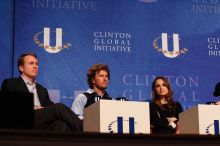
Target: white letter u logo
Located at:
point(175, 52)
point(47, 46)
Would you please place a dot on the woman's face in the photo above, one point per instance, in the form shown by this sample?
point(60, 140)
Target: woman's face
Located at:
point(160, 88)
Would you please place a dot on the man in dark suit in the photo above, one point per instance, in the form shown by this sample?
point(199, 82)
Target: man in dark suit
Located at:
point(216, 93)
point(48, 116)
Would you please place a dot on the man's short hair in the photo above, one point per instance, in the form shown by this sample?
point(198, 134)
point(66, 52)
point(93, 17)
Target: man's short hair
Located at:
point(95, 69)
point(217, 90)
point(21, 59)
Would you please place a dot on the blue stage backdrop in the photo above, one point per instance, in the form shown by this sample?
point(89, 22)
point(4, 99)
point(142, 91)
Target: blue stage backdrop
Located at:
point(138, 39)
point(6, 44)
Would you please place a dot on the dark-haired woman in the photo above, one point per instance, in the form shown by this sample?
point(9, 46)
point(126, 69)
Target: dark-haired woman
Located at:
point(164, 111)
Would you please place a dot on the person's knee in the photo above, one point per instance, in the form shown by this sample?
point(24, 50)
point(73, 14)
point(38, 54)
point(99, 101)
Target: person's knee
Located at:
point(61, 110)
point(60, 106)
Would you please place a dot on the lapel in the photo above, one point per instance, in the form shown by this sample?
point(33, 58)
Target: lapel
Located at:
point(40, 94)
point(21, 85)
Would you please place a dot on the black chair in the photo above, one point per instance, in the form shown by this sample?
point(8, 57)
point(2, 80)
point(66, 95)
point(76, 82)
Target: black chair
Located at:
point(16, 110)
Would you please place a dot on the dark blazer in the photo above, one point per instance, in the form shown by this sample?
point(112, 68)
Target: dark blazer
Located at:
point(18, 85)
point(159, 115)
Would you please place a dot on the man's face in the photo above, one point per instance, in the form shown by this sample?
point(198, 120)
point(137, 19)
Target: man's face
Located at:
point(30, 67)
point(101, 80)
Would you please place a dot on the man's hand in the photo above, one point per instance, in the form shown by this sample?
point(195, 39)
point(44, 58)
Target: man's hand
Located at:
point(38, 107)
point(217, 102)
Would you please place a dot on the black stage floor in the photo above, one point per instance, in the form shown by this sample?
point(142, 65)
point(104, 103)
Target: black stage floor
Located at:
point(39, 138)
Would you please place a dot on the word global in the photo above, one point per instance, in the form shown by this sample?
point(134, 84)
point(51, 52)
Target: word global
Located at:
point(213, 46)
point(112, 41)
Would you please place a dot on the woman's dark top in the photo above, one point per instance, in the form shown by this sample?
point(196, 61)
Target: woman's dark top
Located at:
point(159, 115)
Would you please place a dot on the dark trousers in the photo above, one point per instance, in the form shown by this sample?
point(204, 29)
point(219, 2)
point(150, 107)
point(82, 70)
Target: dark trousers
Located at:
point(57, 117)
